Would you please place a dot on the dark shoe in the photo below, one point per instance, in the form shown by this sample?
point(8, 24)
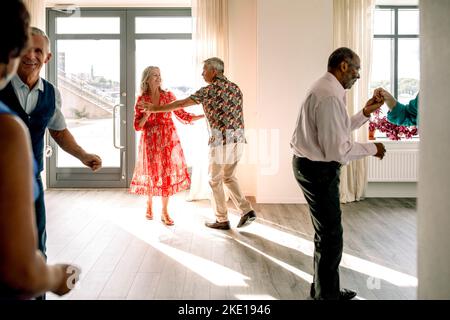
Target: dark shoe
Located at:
point(344, 294)
point(218, 225)
point(312, 291)
point(347, 294)
point(247, 219)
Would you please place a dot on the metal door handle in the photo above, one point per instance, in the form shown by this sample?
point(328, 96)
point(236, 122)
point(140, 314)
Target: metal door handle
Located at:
point(114, 126)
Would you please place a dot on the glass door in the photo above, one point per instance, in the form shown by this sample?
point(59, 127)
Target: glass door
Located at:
point(163, 38)
point(88, 67)
point(98, 59)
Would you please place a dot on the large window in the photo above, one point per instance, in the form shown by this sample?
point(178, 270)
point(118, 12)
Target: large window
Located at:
point(166, 42)
point(396, 52)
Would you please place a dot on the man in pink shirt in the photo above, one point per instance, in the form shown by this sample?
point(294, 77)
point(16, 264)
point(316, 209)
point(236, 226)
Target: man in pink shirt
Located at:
point(321, 144)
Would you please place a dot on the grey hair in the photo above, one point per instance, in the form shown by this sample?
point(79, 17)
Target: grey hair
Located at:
point(215, 63)
point(339, 55)
point(144, 79)
point(38, 32)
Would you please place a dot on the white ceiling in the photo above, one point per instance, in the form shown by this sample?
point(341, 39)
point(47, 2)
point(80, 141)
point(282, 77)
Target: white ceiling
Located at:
point(121, 3)
point(172, 3)
point(397, 2)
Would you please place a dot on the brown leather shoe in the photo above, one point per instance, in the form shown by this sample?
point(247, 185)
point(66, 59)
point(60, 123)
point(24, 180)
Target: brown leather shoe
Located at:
point(247, 219)
point(218, 225)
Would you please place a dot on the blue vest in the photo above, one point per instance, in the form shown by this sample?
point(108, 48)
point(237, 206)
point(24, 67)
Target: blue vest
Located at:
point(37, 120)
point(4, 109)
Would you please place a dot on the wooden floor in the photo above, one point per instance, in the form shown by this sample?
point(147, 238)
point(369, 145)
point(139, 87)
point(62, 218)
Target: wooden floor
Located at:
point(125, 256)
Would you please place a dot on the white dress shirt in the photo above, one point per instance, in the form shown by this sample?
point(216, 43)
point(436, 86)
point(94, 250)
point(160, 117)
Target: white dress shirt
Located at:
point(28, 100)
point(323, 129)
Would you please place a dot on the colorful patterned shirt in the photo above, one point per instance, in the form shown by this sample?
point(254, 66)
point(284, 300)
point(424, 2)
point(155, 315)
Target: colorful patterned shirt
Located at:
point(222, 104)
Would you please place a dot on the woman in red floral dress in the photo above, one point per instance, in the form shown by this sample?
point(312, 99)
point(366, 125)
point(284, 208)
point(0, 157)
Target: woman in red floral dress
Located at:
point(160, 168)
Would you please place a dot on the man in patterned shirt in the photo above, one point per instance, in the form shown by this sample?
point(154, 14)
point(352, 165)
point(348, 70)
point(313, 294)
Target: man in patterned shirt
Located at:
point(222, 104)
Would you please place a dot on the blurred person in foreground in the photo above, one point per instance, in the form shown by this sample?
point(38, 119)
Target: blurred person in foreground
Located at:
point(24, 273)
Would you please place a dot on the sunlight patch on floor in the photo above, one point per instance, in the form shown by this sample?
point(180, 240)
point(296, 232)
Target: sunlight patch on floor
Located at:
point(299, 273)
point(348, 261)
point(154, 233)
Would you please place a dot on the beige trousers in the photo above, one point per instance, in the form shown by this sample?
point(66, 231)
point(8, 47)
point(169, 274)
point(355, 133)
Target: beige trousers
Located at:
point(223, 162)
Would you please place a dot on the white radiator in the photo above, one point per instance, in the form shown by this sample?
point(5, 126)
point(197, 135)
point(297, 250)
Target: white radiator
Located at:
point(396, 166)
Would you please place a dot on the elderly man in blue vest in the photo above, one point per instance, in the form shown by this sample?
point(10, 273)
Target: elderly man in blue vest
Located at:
point(38, 103)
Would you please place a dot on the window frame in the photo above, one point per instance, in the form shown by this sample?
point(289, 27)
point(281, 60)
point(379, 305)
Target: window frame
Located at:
point(395, 37)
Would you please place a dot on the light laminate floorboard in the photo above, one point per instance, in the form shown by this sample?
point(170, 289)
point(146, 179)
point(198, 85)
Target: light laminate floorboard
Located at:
point(125, 256)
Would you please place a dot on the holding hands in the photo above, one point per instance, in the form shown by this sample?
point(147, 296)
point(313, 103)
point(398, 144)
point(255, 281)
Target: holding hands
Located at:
point(388, 98)
point(148, 108)
point(374, 103)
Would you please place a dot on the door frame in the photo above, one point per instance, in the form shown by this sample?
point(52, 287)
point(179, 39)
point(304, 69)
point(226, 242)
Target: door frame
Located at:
point(108, 177)
point(83, 177)
point(131, 62)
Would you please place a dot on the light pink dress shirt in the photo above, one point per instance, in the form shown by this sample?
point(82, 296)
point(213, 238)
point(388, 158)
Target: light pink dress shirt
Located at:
point(323, 130)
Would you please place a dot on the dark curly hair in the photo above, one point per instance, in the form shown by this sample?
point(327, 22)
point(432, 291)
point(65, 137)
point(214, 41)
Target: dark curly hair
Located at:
point(15, 26)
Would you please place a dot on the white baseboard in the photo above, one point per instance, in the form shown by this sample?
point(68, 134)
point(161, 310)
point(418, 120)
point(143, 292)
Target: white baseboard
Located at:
point(374, 190)
point(277, 200)
point(391, 190)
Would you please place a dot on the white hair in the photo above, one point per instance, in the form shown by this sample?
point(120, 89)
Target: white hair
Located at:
point(215, 63)
point(38, 32)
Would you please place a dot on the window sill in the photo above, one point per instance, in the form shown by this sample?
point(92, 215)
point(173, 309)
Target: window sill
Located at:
point(407, 144)
point(396, 141)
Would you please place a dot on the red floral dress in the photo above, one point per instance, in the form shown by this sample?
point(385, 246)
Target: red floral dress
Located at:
point(160, 167)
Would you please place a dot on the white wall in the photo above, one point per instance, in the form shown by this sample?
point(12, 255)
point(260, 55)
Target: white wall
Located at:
point(295, 39)
point(242, 71)
point(434, 168)
point(278, 48)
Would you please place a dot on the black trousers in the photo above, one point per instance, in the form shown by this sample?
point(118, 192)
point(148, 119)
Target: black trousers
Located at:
point(319, 182)
point(39, 207)
point(41, 220)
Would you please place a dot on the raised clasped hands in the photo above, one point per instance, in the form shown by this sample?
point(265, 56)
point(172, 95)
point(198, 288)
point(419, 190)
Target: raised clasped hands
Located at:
point(387, 97)
point(375, 102)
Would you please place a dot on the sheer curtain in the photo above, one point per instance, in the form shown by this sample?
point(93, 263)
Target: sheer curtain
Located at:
point(210, 40)
point(37, 12)
point(353, 29)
